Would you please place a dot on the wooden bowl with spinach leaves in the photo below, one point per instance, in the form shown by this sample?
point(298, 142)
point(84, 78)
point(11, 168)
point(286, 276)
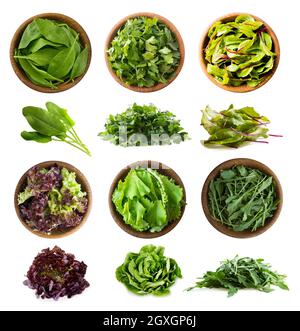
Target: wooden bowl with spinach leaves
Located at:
point(53, 199)
point(147, 199)
point(239, 52)
point(144, 52)
point(50, 52)
point(242, 198)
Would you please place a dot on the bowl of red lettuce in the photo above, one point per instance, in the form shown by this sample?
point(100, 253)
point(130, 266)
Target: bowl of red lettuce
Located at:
point(53, 199)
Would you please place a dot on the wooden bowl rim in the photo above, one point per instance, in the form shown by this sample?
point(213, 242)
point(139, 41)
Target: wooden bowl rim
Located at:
point(175, 31)
point(243, 88)
point(84, 39)
point(161, 168)
point(227, 165)
point(81, 180)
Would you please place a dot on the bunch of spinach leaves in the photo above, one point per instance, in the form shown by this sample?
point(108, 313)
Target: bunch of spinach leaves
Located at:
point(52, 124)
point(50, 53)
point(144, 52)
point(242, 198)
point(148, 272)
point(234, 127)
point(148, 200)
point(239, 52)
point(143, 125)
point(241, 273)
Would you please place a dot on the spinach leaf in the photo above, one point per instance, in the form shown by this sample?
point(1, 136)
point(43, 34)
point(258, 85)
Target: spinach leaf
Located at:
point(148, 122)
point(35, 136)
point(80, 64)
point(52, 124)
point(147, 200)
point(50, 53)
point(148, 272)
point(234, 127)
point(61, 64)
point(242, 198)
point(144, 52)
point(31, 33)
point(240, 52)
point(241, 273)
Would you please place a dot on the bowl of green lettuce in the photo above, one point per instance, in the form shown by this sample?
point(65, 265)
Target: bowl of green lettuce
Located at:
point(147, 199)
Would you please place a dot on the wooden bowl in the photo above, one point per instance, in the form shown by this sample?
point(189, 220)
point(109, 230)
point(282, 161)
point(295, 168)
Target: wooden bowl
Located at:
point(84, 39)
point(242, 88)
point(81, 180)
point(227, 165)
point(171, 26)
point(162, 169)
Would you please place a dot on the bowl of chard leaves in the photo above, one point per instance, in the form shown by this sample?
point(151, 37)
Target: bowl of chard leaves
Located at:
point(50, 52)
point(242, 198)
point(144, 52)
point(147, 199)
point(239, 52)
point(53, 199)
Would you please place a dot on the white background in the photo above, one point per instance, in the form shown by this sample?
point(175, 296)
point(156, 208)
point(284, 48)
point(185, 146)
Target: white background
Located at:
point(193, 243)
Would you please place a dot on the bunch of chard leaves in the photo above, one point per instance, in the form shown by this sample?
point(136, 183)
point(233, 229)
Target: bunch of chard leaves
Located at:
point(234, 127)
point(239, 52)
point(52, 124)
point(143, 125)
point(144, 52)
point(242, 198)
point(148, 272)
point(148, 200)
point(242, 273)
point(50, 53)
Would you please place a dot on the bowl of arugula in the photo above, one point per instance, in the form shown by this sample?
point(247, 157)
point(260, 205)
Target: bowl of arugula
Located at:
point(53, 199)
point(50, 52)
point(242, 198)
point(239, 52)
point(144, 52)
point(147, 199)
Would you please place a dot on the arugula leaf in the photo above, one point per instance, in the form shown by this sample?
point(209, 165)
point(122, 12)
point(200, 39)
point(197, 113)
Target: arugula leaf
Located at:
point(144, 52)
point(241, 273)
point(52, 124)
point(147, 200)
point(148, 122)
point(148, 272)
point(234, 127)
point(240, 52)
point(242, 198)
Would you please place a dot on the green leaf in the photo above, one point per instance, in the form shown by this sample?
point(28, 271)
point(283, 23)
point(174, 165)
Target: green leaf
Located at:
point(43, 122)
point(63, 62)
point(80, 64)
point(35, 136)
point(52, 32)
point(41, 57)
point(31, 33)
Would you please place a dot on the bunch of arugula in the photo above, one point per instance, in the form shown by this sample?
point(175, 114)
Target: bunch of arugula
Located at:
point(148, 272)
point(52, 124)
point(50, 53)
point(147, 200)
point(239, 52)
point(234, 127)
point(242, 198)
point(241, 273)
point(156, 127)
point(144, 52)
